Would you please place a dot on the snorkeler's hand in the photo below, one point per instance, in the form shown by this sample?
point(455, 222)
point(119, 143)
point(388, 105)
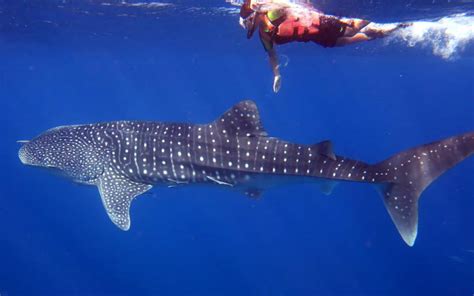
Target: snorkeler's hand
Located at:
point(276, 83)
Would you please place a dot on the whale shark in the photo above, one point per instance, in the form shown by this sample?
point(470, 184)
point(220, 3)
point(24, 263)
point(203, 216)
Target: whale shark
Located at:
point(125, 159)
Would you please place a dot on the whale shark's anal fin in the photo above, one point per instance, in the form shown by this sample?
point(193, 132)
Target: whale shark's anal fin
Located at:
point(327, 186)
point(253, 193)
point(117, 193)
point(410, 172)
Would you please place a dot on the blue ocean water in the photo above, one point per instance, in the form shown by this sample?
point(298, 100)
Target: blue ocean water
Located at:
point(72, 62)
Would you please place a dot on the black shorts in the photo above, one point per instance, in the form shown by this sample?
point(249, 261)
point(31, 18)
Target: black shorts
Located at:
point(330, 29)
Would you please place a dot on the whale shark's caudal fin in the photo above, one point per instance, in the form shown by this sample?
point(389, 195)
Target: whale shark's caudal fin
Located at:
point(411, 172)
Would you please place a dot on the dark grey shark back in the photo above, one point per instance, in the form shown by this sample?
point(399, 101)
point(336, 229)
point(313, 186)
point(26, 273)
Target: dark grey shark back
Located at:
point(227, 151)
point(235, 151)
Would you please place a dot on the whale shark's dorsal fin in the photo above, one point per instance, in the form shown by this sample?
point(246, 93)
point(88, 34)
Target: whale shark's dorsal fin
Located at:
point(242, 119)
point(324, 148)
point(117, 193)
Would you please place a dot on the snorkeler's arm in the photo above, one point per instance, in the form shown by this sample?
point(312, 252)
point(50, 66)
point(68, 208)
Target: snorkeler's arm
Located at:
point(272, 54)
point(276, 69)
point(251, 28)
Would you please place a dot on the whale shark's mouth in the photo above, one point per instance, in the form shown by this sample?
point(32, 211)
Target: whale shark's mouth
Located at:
point(30, 161)
point(24, 156)
point(27, 158)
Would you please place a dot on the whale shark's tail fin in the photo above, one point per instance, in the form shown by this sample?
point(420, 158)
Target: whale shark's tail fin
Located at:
point(411, 172)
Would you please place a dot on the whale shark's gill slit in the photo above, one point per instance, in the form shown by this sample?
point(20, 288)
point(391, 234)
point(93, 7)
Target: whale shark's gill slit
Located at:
point(171, 158)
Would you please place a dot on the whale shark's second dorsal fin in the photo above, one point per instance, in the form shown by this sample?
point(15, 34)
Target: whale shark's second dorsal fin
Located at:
point(242, 119)
point(324, 148)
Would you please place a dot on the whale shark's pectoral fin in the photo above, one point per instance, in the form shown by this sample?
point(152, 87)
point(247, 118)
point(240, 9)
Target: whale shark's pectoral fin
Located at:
point(117, 193)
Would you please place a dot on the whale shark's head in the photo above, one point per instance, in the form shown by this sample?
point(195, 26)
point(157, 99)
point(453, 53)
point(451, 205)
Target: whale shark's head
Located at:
point(66, 150)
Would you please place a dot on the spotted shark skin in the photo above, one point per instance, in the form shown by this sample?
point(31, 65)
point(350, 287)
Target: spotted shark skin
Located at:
point(127, 158)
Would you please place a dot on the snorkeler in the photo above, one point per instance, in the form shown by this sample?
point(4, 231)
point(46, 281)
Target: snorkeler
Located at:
point(280, 22)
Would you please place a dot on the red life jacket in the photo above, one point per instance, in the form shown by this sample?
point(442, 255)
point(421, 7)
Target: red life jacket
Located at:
point(291, 29)
point(324, 30)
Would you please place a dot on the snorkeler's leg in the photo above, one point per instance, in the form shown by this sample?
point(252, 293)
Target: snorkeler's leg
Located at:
point(359, 23)
point(354, 26)
point(369, 32)
point(382, 30)
point(359, 37)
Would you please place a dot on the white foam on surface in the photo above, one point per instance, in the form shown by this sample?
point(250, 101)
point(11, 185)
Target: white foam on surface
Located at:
point(447, 37)
point(144, 4)
point(284, 2)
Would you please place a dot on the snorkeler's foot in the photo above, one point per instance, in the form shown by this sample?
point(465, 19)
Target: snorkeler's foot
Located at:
point(397, 27)
point(404, 25)
point(389, 30)
point(276, 83)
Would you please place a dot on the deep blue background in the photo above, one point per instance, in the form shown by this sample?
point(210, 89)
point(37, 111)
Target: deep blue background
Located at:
point(82, 63)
